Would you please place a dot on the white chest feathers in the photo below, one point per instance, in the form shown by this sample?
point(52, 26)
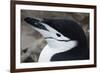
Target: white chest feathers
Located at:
point(50, 50)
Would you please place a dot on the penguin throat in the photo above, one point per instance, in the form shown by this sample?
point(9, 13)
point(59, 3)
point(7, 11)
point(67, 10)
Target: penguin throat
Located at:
point(51, 49)
point(46, 54)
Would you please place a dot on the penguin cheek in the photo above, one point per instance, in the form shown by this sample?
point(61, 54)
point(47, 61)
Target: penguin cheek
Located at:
point(71, 44)
point(65, 46)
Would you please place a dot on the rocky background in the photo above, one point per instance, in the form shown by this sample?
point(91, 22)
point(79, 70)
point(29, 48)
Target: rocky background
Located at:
point(32, 41)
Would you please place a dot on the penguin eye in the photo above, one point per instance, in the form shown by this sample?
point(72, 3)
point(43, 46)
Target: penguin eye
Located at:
point(58, 34)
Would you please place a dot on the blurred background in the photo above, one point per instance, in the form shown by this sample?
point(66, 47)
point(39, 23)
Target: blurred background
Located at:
point(32, 42)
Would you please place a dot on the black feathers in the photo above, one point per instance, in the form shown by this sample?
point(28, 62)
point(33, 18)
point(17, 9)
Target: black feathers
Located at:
point(69, 29)
point(72, 30)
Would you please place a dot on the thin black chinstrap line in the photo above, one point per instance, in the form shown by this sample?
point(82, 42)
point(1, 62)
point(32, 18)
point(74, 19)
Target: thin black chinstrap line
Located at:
point(57, 39)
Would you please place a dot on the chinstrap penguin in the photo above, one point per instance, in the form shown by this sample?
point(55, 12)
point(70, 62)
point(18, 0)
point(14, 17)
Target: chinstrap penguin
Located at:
point(66, 39)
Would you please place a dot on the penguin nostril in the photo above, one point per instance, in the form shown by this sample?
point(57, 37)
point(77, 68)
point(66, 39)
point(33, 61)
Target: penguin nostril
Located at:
point(58, 34)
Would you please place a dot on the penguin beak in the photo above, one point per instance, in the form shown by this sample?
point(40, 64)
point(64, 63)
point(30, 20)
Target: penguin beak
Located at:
point(36, 23)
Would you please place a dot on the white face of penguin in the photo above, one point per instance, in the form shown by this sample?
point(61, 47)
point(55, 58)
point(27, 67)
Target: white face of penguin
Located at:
point(55, 39)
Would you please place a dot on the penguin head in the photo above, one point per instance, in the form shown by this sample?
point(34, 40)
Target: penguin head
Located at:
point(60, 34)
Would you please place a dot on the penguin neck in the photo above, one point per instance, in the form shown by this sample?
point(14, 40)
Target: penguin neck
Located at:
point(46, 54)
point(49, 50)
